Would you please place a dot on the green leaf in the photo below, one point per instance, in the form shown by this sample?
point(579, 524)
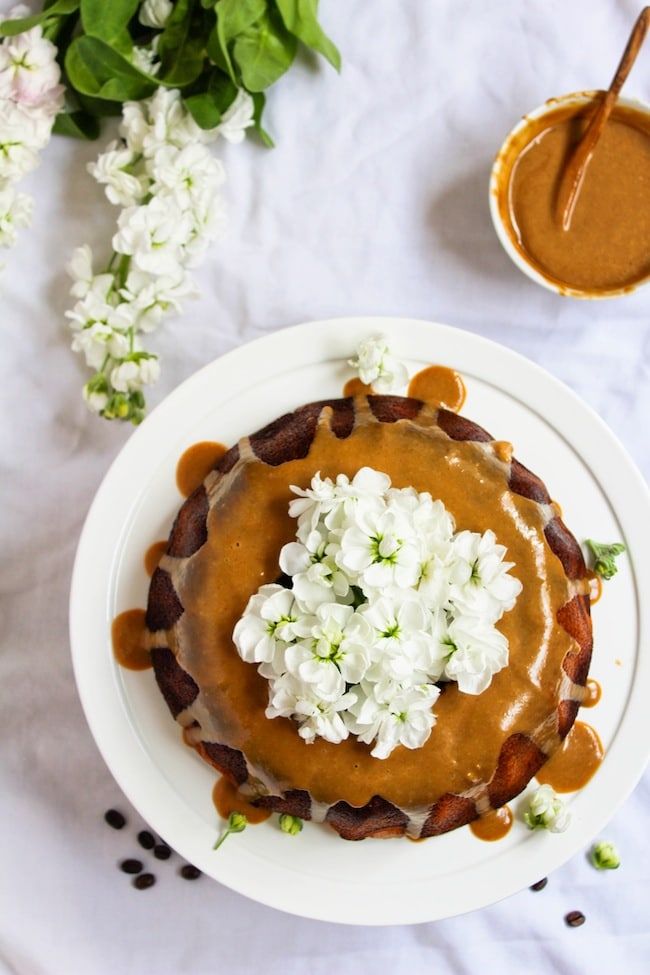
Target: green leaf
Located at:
point(94, 68)
point(61, 8)
point(259, 101)
point(98, 107)
point(203, 110)
point(301, 18)
point(79, 125)
point(235, 16)
point(181, 47)
point(222, 90)
point(264, 52)
point(109, 21)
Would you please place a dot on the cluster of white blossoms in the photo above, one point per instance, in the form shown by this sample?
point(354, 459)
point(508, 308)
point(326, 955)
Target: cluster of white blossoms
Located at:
point(386, 601)
point(163, 177)
point(378, 367)
point(547, 811)
point(30, 99)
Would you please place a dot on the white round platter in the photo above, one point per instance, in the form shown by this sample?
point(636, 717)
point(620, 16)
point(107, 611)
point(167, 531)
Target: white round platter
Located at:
point(316, 874)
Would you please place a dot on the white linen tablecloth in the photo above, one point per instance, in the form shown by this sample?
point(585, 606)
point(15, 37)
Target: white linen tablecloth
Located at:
point(374, 202)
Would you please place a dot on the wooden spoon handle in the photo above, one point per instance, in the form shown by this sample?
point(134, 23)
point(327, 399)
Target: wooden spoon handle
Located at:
point(575, 169)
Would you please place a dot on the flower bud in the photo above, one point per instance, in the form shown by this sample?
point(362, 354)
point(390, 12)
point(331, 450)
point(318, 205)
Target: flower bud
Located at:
point(290, 824)
point(604, 856)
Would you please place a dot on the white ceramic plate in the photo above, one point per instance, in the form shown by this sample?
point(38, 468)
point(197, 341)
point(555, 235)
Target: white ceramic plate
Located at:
point(316, 874)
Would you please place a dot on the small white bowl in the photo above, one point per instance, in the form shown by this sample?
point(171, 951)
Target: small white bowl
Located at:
point(526, 130)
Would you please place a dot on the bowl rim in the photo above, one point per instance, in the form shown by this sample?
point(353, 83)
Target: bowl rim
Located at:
point(496, 184)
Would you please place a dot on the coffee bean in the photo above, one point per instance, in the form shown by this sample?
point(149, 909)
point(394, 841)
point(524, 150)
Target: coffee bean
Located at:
point(146, 839)
point(115, 818)
point(161, 851)
point(131, 865)
point(575, 918)
point(189, 872)
point(540, 885)
point(143, 880)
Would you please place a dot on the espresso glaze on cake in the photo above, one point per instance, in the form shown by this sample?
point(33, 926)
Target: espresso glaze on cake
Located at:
point(225, 543)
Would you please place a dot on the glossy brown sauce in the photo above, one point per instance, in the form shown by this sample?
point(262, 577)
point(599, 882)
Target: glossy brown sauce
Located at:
point(196, 463)
point(439, 384)
point(228, 799)
point(153, 556)
point(608, 244)
point(130, 639)
point(576, 761)
point(494, 826)
point(593, 694)
point(247, 528)
point(355, 387)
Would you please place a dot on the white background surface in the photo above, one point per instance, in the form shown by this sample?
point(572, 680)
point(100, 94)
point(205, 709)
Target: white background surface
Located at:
point(373, 202)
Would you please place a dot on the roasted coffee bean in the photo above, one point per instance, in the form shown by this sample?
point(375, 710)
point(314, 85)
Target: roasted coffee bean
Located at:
point(144, 880)
point(575, 918)
point(161, 851)
point(115, 818)
point(146, 839)
point(189, 872)
point(540, 885)
point(131, 865)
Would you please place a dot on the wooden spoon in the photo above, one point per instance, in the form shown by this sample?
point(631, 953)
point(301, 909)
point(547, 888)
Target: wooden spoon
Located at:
point(576, 167)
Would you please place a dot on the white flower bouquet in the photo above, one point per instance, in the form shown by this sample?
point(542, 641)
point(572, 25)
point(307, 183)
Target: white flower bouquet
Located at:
point(386, 601)
point(180, 75)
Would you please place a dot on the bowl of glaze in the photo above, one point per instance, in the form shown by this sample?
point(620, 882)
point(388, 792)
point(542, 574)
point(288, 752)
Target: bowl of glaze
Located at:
point(606, 250)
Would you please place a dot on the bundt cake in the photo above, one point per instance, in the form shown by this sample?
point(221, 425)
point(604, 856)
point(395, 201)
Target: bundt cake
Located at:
point(483, 748)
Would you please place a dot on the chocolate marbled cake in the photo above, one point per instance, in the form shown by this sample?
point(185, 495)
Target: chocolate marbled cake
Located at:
point(225, 543)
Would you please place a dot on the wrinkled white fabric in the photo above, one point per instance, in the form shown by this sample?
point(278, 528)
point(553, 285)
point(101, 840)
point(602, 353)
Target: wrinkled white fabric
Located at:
point(373, 201)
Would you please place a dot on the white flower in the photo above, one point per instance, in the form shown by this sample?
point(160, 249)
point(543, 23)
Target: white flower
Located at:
point(158, 121)
point(153, 296)
point(123, 189)
point(338, 641)
point(28, 68)
point(486, 589)
point(403, 649)
point(15, 212)
point(270, 616)
point(237, 118)
point(292, 698)
point(97, 400)
point(314, 501)
point(99, 340)
point(547, 811)
point(377, 367)
point(379, 550)
point(208, 215)
point(80, 269)
point(154, 235)
point(135, 372)
point(145, 58)
point(185, 173)
point(21, 136)
point(479, 651)
point(155, 13)
point(392, 714)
